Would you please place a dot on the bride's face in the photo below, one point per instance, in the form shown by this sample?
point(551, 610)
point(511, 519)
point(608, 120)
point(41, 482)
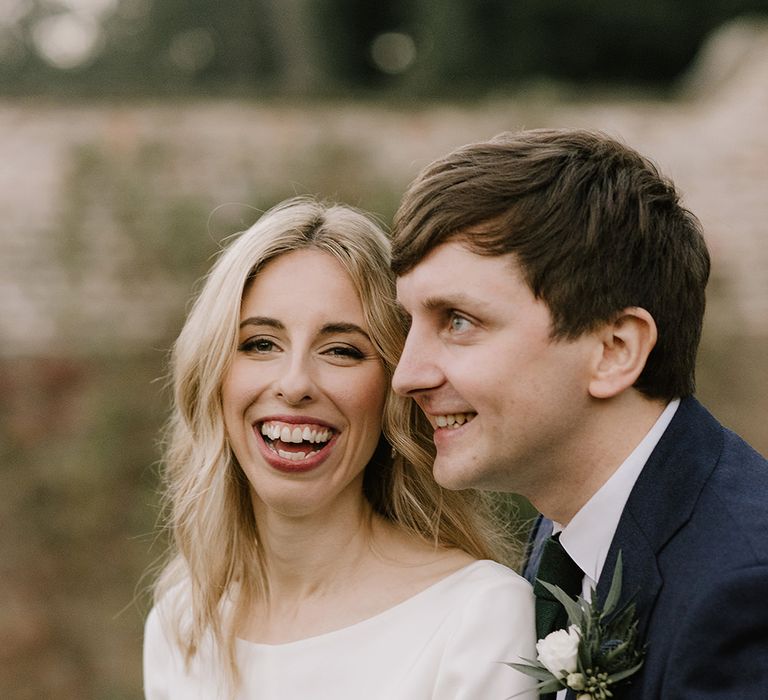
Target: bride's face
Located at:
point(304, 396)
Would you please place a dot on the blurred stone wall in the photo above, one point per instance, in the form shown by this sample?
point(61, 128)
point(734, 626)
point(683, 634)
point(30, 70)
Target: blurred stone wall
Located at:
point(91, 195)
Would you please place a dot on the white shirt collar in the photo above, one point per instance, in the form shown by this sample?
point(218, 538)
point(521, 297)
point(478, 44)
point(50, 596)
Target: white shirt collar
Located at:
point(588, 535)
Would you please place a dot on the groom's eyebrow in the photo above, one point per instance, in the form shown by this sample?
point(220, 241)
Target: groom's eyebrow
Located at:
point(452, 301)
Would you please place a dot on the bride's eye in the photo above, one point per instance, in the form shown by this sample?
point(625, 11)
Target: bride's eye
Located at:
point(257, 345)
point(344, 352)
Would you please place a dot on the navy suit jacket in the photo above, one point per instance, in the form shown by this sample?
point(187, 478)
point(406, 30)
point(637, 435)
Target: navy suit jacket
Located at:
point(694, 543)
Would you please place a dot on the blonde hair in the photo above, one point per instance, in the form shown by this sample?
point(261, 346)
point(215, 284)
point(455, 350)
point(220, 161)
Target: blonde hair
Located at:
point(216, 557)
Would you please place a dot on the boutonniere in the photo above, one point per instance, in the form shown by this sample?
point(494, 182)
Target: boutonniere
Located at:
point(598, 650)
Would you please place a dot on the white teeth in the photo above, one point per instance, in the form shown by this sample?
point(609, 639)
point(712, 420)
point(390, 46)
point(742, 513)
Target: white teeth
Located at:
point(453, 420)
point(293, 456)
point(294, 434)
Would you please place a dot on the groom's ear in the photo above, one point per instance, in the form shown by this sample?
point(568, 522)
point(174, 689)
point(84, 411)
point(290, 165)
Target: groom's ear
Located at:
point(623, 349)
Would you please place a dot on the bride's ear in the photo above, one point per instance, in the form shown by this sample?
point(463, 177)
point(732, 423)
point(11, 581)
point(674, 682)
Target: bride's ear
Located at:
point(623, 350)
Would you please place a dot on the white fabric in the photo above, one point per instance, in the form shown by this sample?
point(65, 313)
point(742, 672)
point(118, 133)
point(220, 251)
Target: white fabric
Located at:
point(448, 642)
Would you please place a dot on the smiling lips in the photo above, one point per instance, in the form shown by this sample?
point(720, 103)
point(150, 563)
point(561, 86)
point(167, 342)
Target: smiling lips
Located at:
point(295, 442)
point(300, 443)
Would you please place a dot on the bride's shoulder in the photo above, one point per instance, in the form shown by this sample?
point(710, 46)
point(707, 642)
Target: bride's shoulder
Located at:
point(491, 595)
point(486, 576)
point(170, 612)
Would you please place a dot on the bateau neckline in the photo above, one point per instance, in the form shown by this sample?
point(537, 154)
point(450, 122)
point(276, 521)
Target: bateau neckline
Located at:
point(373, 619)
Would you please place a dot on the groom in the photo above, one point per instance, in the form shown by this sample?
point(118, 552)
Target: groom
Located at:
point(555, 287)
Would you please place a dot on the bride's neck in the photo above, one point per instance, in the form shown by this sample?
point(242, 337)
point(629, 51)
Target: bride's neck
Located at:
point(306, 555)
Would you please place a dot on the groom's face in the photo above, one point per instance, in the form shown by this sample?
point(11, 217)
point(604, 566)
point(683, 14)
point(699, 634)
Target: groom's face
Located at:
point(504, 398)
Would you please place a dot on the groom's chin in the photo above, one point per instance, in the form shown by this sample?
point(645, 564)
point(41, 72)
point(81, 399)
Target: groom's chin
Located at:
point(450, 475)
point(469, 472)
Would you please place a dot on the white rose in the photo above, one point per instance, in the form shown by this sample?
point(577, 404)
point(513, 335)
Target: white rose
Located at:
point(558, 651)
point(576, 681)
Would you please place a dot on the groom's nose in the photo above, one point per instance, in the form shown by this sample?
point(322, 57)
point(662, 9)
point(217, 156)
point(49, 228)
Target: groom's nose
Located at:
point(417, 370)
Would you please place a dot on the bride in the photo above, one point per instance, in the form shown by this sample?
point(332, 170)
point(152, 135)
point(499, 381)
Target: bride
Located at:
point(314, 556)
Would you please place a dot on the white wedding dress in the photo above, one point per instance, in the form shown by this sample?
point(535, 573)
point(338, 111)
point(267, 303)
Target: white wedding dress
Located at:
point(448, 642)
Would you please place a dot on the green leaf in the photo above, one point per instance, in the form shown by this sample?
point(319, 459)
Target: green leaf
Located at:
point(551, 687)
point(585, 656)
point(624, 617)
point(532, 662)
point(615, 590)
point(572, 607)
point(617, 652)
point(621, 675)
point(522, 692)
point(540, 674)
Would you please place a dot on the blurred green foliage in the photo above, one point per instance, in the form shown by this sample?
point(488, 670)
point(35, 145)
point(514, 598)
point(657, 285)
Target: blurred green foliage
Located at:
point(325, 47)
point(77, 470)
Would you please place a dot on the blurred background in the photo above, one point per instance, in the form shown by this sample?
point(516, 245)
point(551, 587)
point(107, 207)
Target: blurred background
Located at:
point(135, 135)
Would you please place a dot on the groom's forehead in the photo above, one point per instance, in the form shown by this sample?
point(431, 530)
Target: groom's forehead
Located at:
point(458, 251)
point(452, 271)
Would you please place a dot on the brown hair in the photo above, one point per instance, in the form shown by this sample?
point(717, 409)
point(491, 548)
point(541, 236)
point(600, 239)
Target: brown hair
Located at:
point(593, 224)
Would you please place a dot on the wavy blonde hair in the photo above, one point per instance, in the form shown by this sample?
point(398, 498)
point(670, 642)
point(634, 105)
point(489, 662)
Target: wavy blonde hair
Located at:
point(215, 557)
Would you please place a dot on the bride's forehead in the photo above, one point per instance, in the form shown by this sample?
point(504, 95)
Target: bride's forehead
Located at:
point(304, 289)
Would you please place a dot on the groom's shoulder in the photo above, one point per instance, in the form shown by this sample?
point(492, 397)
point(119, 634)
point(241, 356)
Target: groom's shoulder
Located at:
point(739, 485)
point(732, 511)
point(740, 468)
point(724, 475)
point(695, 424)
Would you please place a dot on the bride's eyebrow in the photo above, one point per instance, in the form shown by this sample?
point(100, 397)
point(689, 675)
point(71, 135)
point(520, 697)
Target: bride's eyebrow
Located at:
point(262, 321)
point(337, 328)
point(342, 327)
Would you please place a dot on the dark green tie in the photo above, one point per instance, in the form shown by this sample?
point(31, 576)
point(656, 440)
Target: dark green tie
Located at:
point(556, 567)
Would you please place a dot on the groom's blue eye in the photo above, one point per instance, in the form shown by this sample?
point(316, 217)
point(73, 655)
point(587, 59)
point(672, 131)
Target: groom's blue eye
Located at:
point(459, 323)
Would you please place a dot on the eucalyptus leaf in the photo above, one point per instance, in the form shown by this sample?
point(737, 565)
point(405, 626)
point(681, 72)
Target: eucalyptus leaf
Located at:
point(585, 656)
point(615, 590)
point(574, 610)
point(539, 673)
point(532, 662)
point(550, 687)
point(621, 675)
point(616, 653)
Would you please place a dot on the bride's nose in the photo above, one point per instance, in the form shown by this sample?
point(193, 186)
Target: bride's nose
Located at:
point(296, 385)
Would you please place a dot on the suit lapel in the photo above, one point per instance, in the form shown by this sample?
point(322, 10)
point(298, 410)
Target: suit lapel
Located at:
point(641, 577)
point(661, 501)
